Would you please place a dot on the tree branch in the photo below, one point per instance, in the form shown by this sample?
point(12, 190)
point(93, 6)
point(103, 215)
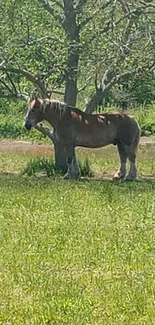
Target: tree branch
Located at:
point(50, 10)
point(85, 85)
point(59, 4)
point(17, 96)
point(147, 5)
point(88, 19)
point(5, 85)
point(35, 80)
point(107, 4)
point(135, 12)
point(45, 131)
point(12, 83)
point(124, 6)
point(101, 92)
point(50, 92)
point(80, 4)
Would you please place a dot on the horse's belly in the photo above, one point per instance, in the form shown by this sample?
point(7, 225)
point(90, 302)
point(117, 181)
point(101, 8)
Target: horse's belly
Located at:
point(92, 142)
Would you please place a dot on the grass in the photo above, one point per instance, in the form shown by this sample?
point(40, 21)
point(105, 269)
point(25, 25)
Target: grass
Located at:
point(77, 253)
point(47, 166)
point(41, 164)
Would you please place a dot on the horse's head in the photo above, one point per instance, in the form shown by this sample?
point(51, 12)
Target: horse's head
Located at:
point(34, 113)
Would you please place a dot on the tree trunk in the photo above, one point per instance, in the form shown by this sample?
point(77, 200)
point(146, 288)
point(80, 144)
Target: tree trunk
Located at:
point(60, 159)
point(72, 31)
point(96, 99)
point(71, 76)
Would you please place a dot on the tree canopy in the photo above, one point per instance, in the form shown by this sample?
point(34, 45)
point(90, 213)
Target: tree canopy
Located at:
point(78, 49)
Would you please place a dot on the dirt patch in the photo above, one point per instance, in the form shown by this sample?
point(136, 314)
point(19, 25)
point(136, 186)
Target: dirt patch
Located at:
point(42, 149)
point(33, 149)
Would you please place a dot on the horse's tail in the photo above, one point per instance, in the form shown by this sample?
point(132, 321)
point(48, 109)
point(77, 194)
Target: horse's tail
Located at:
point(137, 139)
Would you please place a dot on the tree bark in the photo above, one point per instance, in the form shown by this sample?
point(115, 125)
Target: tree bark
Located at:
point(97, 97)
point(71, 76)
point(60, 159)
point(72, 31)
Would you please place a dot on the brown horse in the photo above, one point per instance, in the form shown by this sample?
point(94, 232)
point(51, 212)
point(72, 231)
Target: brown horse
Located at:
point(72, 128)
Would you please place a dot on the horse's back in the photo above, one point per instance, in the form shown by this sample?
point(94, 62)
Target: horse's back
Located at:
point(97, 130)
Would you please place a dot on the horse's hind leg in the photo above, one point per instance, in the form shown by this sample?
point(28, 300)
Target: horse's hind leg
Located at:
point(131, 153)
point(123, 159)
point(132, 174)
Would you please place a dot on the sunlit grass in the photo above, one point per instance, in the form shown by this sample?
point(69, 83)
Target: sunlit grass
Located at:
point(77, 252)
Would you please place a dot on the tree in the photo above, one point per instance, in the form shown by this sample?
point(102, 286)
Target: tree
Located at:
point(59, 47)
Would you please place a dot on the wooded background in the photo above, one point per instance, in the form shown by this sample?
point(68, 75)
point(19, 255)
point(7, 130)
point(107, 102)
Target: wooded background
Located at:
point(85, 52)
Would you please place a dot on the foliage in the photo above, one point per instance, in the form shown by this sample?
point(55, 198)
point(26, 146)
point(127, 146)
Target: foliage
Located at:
point(145, 117)
point(85, 168)
point(51, 46)
point(37, 165)
point(11, 127)
point(47, 165)
point(135, 91)
point(77, 252)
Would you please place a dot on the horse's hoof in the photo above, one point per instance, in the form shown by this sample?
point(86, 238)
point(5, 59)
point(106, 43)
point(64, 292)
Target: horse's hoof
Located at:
point(67, 176)
point(73, 176)
point(77, 176)
point(118, 176)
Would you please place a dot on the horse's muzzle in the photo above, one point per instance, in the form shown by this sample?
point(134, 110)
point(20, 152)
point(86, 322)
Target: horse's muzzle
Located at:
point(28, 125)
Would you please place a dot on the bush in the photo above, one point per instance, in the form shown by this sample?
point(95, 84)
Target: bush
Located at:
point(137, 89)
point(146, 119)
point(8, 130)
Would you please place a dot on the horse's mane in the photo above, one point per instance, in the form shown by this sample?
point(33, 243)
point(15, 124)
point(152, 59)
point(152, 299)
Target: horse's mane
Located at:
point(58, 106)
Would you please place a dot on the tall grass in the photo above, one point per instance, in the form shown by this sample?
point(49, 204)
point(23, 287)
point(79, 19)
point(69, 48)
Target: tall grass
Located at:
point(47, 165)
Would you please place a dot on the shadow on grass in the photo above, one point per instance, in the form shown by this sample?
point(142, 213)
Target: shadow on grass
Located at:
point(15, 180)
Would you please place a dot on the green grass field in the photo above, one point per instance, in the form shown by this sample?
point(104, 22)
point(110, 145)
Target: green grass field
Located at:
point(77, 253)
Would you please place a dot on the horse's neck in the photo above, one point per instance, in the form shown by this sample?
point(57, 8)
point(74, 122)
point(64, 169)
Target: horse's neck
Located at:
point(51, 115)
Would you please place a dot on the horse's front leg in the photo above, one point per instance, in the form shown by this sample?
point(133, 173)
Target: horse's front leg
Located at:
point(73, 171)
point(76, 168)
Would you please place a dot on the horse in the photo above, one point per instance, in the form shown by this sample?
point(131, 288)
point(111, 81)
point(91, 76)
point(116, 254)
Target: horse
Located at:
point(73, 127)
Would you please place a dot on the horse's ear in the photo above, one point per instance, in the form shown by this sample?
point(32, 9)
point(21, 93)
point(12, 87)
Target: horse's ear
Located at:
point(36, 100)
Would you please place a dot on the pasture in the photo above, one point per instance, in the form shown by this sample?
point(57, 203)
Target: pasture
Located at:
point(77, 252)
